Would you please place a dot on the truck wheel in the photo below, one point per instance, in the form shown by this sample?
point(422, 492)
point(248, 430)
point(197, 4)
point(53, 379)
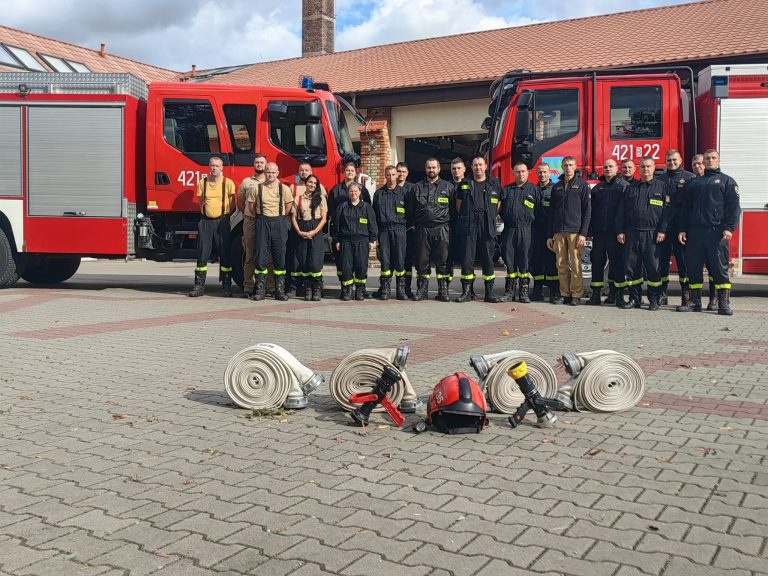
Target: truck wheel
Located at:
point(8, 269)
point(237, 258)
point(51, 269)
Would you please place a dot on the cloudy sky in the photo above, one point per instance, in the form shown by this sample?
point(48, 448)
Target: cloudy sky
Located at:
point(211, 33)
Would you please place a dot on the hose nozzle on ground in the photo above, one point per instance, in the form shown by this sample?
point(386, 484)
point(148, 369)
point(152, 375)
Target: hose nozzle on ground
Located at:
point(533, 400)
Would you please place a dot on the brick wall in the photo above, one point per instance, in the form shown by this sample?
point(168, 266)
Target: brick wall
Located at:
point(318, 25)
point(374, 143)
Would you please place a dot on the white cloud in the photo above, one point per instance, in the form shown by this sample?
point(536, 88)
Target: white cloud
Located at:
point(400, 20)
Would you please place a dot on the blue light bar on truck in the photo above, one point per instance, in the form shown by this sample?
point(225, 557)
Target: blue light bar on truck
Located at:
point(307, 83)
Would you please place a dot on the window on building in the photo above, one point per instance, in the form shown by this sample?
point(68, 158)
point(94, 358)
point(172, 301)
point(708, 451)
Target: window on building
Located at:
point(56, 64)
point(29, 61)
point(7, 59)
point(78, 67)
point(636, 112)
point(287, 127)
point(190, 126)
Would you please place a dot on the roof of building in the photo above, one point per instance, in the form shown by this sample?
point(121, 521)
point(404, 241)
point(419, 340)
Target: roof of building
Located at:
point(696, 31)
point(36, 45)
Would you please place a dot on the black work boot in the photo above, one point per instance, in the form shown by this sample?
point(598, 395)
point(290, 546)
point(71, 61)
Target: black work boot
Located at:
point(714, 298)
point(292, 286)
point(489, 297)
point(384, 288)
point(654, 297)
point(554, 292)
point(466, 292)
point(199, 287)
point(309, 286)
point(538, 291)
point(724, 302)
point(359, 292)
point(259, 288)
point(662, 293)
point(346, 293)
point(442, 290)
point(418, 296)
point(522, 292)
point(317, 291)
point(611, 298)
point(635, 294)
point(472, 295)
point(693, 304)
point(509, 290)
point(280, 288)
point(226, 284)
point(407, 283)
point(619, 295)
point(595, 299)
point(400, 288)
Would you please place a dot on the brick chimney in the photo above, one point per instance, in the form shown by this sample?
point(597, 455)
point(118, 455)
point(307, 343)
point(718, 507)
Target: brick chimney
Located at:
point(318, 26)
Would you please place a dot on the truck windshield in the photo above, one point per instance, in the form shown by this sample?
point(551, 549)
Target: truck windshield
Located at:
point(339, 127)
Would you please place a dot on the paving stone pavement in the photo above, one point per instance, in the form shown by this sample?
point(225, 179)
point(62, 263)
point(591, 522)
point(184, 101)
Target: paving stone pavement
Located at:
point(120, 452)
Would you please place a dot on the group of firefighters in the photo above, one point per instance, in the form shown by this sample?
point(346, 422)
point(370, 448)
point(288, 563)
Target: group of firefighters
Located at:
point(635, 225)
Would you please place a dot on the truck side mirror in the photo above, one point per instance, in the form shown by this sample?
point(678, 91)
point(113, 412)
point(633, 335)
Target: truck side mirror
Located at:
point(278, 107)
point(313, 111)
point(315, 141)
point(525, 100)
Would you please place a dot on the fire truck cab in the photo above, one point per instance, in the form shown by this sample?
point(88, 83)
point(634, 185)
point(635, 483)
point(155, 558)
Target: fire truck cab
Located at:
point(104, 165)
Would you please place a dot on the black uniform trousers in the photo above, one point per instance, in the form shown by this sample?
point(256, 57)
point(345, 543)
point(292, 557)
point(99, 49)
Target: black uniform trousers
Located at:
point(432, 247)
point(473, 242)
point(641, 252)
point(354, 262)
point(543, 266)
point(410, 251)
point(308, 254)
point(516, 250)
point(455, 249)
point(672, 246)
point(213, 232)
point(707, 246)
point(391, 251)
point(607, 250)
point(271, 238)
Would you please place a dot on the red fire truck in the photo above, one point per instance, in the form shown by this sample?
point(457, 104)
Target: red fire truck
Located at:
point(631, 113)
point(104, 165)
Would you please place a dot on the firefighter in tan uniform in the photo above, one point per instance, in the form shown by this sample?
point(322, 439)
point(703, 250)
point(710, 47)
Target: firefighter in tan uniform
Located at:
point(271, 202)
point(216, 196)
point(249, 222)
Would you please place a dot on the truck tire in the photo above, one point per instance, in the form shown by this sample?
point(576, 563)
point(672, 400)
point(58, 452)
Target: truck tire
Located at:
point(237, 257)
point(8, 269)
point(51, 269)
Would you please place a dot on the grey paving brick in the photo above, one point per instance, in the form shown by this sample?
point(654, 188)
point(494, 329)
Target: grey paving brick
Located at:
point(647, 561)
point(329, 557)
point(457, 564)
point(730, 559)
point(98, 522)
point(373, 565)
point(209, 527)
point(60, 565)
point(446, 539)
point(244, 561)
point(555, 561)
point(14, 555)
point(204, 552)
point(269, 543)
point(388, 548)
point(513, 554)
point(683, 567)
point(146, 535)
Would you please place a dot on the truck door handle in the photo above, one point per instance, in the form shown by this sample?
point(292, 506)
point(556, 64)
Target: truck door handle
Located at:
point(75, 213)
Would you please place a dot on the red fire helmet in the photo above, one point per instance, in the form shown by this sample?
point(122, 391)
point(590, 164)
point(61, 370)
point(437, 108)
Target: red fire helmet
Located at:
point(457, 405)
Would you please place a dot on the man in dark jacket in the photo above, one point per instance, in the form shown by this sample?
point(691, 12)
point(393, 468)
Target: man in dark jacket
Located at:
point(389, 207)
point(606, 199)
point(708, 220)
point(641, 226)
point(568, 225)
point(429, 203)
point(543, 266)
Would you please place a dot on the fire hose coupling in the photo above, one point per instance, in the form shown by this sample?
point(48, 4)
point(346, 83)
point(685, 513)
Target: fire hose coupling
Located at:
point(359, 372)
point(267, 376)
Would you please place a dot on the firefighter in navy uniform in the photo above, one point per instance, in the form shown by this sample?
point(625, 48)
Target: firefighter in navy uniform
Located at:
point(518, 210)
point(455, 250)
point(675, 178)
point(606, 198)
point(410, 229)
point(429, 202)
point(354, 234)
point(708, 220)
point(216, 195)
point(477, 203)
point(543, 266)
point(389, 207)
point(339, 195)
point(272, 203)
point(641, 225)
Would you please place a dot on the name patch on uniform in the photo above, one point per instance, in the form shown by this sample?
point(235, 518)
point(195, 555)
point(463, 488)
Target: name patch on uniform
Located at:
point(442, 200)
point(528, 203)
point(464, 186)
point(654, 202)
point(545, 203)
point(494, 200)
point(400, 210)
point(363, 220)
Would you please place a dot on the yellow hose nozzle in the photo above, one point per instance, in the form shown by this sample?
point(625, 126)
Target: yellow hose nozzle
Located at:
point(518, 370)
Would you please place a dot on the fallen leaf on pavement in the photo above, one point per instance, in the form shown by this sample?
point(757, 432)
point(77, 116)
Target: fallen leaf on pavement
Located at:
point(595, 452)
point(120, 416)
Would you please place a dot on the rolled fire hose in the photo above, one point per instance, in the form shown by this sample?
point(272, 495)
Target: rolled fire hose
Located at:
point(602, 381)
point(357, 374)
point(502, 391)
point(267, 376)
